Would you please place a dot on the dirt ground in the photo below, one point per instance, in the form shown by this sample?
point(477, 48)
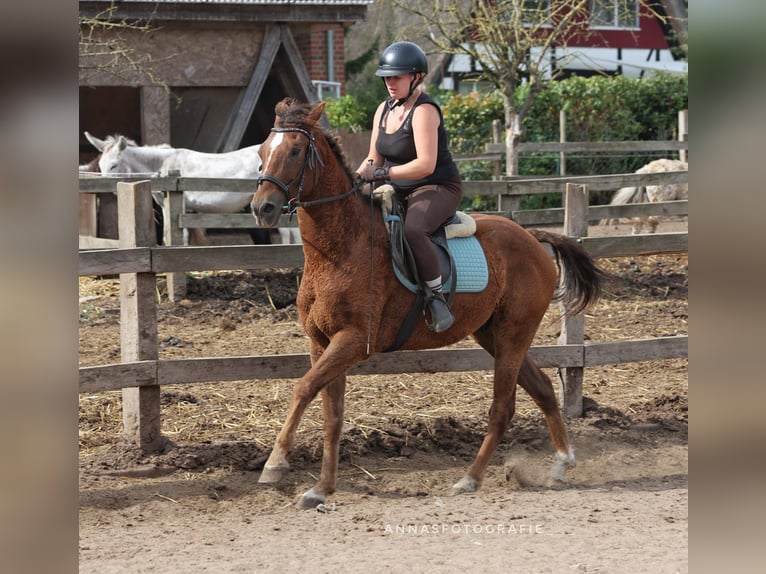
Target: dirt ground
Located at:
point(198, 507)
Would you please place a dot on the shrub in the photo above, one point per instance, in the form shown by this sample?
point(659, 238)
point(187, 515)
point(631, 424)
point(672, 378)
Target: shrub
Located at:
point(344, 112)
point(597, 108)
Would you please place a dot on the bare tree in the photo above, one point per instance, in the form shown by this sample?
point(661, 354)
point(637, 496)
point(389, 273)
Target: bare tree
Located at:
point(514, 41)
point(104, 49)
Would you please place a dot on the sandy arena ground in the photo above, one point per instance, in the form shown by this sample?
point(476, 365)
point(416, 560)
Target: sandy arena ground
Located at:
point(198, 507)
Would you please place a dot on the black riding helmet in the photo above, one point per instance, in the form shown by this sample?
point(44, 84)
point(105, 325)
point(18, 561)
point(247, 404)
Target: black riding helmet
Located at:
point(403, 58)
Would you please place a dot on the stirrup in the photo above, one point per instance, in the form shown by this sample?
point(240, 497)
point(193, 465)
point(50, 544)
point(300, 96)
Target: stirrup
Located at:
point(441, 316)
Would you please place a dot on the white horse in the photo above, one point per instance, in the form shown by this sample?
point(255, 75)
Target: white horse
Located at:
point(652, 193)
point(122, 156)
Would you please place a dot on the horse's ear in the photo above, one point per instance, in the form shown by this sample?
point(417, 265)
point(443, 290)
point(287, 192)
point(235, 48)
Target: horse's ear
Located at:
point(122, 143)
point(316, 113)
point(95, 142)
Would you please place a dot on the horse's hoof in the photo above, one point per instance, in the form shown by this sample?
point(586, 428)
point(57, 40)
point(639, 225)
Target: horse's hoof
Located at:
point(465, 485)
point(557, 482)
point(272, 475)
point(309, 500)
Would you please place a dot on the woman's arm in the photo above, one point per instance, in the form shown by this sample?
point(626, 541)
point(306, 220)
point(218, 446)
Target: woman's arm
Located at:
point(377, 159)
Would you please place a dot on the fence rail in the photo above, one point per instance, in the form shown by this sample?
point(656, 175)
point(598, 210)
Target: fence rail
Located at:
point(571, 147)
point(509, 185)
point(293, 366)
point(495, 152)
point(508, 192)
point(596, 213)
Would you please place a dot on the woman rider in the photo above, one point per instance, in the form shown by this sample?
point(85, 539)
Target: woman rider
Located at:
point(409, 149)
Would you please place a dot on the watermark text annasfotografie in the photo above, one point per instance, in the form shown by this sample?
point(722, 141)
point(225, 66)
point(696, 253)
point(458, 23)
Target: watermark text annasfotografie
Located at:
point(462, 528)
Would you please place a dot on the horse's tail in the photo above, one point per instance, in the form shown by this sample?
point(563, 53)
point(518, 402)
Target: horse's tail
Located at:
point(624, 196)
point(581, 279)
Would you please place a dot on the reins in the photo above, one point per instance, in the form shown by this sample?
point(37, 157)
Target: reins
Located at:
point(372, 267)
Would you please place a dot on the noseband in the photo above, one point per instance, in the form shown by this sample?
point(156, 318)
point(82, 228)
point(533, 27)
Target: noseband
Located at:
point(311, 160)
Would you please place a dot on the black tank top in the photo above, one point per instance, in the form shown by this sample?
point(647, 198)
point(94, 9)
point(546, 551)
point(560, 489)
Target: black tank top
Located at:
point(399, 148)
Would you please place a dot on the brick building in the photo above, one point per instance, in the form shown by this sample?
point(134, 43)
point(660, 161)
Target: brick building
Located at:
point(226, 64)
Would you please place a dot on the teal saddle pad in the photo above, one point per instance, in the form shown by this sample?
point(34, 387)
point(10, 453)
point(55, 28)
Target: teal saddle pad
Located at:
point(471, 264)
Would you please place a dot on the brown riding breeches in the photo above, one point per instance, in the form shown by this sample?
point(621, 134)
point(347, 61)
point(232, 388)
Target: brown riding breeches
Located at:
point(428, 207)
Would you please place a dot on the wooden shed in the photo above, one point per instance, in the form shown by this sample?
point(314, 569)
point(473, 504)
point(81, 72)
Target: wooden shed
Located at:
point(211, 70)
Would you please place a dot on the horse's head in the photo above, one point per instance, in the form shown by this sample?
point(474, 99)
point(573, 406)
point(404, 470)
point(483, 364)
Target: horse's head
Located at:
point(289, 160)
point(112, 160)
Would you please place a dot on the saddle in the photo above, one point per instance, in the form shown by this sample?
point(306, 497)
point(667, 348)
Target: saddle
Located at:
point(457, 246)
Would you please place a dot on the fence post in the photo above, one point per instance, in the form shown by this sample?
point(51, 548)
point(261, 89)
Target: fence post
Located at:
point(512, 137)
point(497, 166)
point(88, 214)
point(683, 133)
point(562, 139)
point(138, 316)
point(573, 328)
point(174, 235)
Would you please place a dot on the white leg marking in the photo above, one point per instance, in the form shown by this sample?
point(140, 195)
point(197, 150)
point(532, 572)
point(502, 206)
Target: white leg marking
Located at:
point(563, 460)
point(310, 499)
point(465, 484)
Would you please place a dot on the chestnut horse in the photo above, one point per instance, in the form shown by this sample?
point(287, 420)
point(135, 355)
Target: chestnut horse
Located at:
point(347, 321)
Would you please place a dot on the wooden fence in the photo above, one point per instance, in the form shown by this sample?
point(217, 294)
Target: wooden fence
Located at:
point(508, 193)
point(496, 150)
point(138, 260)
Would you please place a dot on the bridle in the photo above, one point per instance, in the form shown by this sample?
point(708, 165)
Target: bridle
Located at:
point(311, 160)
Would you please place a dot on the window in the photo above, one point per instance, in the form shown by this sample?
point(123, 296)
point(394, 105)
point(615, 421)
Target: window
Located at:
point(536, 12)
point(614, 14)
point(528, 12)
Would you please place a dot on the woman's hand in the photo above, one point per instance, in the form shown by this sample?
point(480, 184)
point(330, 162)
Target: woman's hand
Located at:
point(372, 173)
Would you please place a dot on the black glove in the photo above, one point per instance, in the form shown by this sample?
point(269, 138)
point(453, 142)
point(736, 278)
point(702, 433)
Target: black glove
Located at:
point(372, 173)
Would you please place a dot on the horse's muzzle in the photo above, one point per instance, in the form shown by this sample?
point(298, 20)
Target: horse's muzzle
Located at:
point(265, 212)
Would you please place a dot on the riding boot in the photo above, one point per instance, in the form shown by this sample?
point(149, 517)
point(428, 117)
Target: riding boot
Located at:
point(441, 316)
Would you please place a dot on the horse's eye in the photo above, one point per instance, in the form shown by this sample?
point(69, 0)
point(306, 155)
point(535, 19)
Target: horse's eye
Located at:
point(296, 151)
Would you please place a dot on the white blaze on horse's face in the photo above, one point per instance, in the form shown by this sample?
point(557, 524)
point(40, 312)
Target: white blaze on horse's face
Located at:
point(276, 141)
point(257, 159)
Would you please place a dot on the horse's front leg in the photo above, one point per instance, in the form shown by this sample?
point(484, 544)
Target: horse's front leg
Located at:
point(332, 410)
point(328, 367)
point(276, 466)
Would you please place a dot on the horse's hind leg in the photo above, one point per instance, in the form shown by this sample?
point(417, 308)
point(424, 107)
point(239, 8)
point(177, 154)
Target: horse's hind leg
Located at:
point(500, 414)
point(539, 386)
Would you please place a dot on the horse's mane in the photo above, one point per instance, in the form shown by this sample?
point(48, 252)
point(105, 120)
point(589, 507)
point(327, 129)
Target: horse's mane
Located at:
point(294, 113)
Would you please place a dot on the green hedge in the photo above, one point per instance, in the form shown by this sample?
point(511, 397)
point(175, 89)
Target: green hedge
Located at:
point(603, 109)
